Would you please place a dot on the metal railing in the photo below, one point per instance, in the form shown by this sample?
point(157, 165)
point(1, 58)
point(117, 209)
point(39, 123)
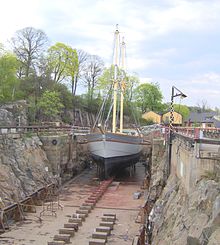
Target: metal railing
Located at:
point(44, 129)
point(198, 133)
point(15, 211)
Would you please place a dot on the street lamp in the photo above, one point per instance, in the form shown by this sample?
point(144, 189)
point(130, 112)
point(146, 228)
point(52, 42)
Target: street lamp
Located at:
point(175, 93)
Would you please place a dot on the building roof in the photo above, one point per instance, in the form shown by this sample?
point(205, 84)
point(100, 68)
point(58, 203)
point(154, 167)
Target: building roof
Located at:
point(217, 121)
point(201, 117)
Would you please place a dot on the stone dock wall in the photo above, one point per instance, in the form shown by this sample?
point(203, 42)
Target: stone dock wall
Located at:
point(186, 203)
point(29, 162)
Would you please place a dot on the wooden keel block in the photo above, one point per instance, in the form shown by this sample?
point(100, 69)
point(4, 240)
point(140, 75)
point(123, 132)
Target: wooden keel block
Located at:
point(76, 221)
point(81, 216)
point(108, 224)
point(93, 199)
point(97, 242)
point(56, 243)
point(89, 204)
point(69, 231)
point(108, 219)
point(85, 208)
point(100, 235)
point(82, 212)
point(109, 214)
point(72, 225)
point(103, 229)
point(95, 196)
point(65, 238)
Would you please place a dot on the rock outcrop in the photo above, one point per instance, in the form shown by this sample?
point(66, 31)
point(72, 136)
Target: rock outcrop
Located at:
point(182, 219)
point(14, 113)
point(177, 217)
point(6, 118)
point(23, 167)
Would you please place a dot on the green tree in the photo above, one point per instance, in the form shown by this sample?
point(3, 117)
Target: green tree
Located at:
point(8, 80)
point(182, 109)
point(106, 80)
point(132, 83)
point(148, 97)
point(57, 61)
point(63, 64)
point(50, 104)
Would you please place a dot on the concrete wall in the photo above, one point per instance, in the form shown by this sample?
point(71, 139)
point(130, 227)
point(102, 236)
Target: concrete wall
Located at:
point(190, 162)
point(57, 150)
point(66, 156)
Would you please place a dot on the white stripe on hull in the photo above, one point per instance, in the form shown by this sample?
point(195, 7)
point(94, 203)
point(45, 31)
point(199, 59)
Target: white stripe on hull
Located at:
point(107, 149)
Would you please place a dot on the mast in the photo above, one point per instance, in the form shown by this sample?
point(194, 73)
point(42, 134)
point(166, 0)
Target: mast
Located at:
point(115, 80)
point(122, 84)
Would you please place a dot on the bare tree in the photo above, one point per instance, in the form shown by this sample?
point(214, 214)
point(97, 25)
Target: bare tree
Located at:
point(28, 45)
point(82, 59)
point(203, 106)
point(93, 70)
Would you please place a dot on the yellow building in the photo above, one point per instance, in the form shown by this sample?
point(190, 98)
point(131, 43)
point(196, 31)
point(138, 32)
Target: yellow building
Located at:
point(178, 119)
point(152, 116)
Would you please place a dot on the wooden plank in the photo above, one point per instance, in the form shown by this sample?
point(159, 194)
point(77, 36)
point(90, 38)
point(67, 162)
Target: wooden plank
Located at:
point(69, 231)
point(65, 238)
point(97, 241)
point(100, 235)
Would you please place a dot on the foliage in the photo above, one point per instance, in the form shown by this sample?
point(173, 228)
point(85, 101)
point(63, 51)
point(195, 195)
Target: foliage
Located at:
point(63, 64)
point(50, 104)
point(144, 122)
point(106, 80)
point(131, 85)
point(65, 95)
point(148, 96)
point(182, 109)
point(8, 80)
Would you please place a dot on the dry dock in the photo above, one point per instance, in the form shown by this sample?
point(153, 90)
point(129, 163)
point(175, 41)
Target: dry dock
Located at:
point(118, 199)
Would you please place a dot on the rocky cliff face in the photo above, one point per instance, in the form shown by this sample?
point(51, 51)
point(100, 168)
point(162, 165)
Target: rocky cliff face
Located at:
point(178, 218)
point(182, 219)
point(23, 167)
point(14, 113)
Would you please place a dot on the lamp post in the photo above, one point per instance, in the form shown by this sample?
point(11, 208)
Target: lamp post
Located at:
point(175, 93)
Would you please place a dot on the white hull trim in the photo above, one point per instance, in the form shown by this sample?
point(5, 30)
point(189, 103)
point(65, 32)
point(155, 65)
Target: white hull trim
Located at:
point(109, 149)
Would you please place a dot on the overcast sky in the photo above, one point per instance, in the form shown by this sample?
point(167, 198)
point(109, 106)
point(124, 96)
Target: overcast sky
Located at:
point(172, 42)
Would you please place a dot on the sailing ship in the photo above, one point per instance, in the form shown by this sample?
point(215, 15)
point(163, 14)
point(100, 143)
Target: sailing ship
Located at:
point(115, 150)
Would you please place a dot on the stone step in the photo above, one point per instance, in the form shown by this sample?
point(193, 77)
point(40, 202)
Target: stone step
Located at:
point(56, 243)
point(100, 235)
point(72, 225)
point(65, 238)
point(103, 229)
point(97, 241)
point(69, 231)
point(108, 218)
point(81, 216)
point(75, 220)
point(108, 224)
